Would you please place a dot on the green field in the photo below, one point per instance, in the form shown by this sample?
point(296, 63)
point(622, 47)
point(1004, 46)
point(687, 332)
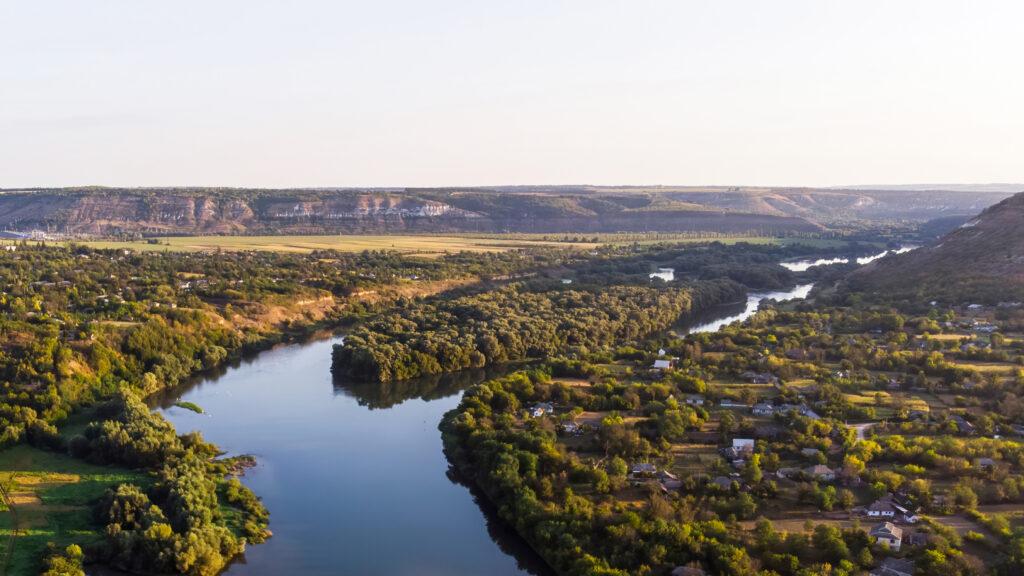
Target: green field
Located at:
point(430, 245)
point(48, 497)
point(409, 244)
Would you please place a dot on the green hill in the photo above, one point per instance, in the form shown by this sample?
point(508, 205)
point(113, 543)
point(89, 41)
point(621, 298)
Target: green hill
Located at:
point(981, 261)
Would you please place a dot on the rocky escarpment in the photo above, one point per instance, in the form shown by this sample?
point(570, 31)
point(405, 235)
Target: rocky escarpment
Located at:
point(209, 211)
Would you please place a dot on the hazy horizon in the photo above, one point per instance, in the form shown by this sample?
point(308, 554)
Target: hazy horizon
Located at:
point(404, 94)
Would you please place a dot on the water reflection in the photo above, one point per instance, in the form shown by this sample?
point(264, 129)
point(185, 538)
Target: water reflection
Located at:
point(351, 490)
point(383, 395)
point(715, 318)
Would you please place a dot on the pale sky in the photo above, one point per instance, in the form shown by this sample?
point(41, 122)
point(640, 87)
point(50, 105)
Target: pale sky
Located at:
point(417, 93)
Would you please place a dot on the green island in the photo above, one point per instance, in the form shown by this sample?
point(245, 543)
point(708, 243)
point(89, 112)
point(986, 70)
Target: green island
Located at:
point(190, 406)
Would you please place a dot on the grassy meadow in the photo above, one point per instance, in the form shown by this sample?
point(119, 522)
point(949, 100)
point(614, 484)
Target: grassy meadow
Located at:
point(48, 497)
point(428, 245)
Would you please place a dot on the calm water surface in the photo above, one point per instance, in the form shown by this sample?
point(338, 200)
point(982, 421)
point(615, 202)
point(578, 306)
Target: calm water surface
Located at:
point(354, 478)
point(715, 318)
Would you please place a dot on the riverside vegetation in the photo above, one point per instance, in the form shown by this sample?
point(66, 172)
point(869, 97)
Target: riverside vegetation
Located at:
point(87, 334)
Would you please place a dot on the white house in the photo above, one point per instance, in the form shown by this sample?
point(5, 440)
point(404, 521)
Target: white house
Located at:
point(888, 534)
point(883, 508)
point(662, 365)
point(695, 400)
point(820, 472)
point(743, 444)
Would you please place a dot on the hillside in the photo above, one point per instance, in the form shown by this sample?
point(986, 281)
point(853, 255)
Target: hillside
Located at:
point(210, 211)
point(543, 209)
point(981, 261)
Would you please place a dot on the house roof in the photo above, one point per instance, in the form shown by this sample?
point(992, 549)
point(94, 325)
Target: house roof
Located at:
point(894, 567)
point(687, 571)
point(887, 530)
point(662, 364)
point(819, 470)
point(883, 505)
point(742, 442)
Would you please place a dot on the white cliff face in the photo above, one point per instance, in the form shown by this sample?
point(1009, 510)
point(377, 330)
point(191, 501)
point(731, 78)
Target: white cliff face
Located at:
point(369, 207)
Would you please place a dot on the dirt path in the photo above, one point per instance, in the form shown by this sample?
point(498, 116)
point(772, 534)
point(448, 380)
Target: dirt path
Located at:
point(862, 429)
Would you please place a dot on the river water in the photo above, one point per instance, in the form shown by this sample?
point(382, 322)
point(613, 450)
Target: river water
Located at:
point(803, 265)
point(354, 475)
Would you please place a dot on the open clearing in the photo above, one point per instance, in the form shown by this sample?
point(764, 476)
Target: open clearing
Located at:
point(409, 244)
point(48, 497)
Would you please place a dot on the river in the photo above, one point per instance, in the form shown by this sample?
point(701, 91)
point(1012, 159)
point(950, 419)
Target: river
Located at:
point(354, 475)
point(803, 265)
point(354, 478)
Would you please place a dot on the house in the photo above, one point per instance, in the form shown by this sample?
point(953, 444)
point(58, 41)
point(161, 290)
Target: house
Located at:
point(820, 472)
point(894, 567)
point(741, 447)
point(572, 428)
point(669, 481)
point(664, 364)
point(888, 534)
point(726, 403)
point(787, 472)
point(883, 508)
point(985, 463)
point(694, 399)
point(643, 469)
point(763, 409)
point(541, 409)
point(566, 281)
point(743, 444)
point(687, 571)
point(722, 482)
point(810, 452)
point(962, 426)
point(762, 378)
point(808, 413)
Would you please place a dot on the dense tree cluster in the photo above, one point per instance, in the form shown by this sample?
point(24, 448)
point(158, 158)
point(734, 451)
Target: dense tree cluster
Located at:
point(513, 324)
point(177, 525)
